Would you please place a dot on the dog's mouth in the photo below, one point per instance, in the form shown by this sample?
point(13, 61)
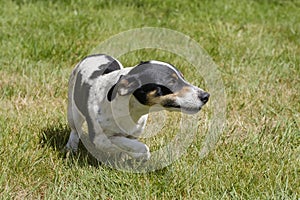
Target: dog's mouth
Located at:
point(172, 106)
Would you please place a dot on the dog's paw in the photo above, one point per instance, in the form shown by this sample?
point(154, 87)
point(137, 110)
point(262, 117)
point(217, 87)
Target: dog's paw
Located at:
point(69, 149)
point(145, 156)
point(142, 157)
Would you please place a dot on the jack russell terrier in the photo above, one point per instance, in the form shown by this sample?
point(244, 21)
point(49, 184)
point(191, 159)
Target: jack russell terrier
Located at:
point(115, 101)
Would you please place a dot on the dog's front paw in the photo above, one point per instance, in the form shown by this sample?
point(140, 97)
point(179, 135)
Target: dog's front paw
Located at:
point(70, 149)
point(142, 156)
point(68, 152)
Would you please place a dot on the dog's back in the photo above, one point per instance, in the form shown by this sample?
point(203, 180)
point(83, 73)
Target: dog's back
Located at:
point(84, 75)
point(94, 66)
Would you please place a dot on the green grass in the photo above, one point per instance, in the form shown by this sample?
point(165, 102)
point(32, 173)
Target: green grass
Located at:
point(256, 45)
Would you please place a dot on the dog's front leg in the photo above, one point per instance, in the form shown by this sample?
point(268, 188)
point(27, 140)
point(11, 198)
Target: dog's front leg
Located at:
point(101, 141)
point(104, 144)
point(132, 147)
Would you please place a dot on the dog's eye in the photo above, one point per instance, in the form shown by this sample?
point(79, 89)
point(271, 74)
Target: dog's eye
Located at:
point(162, 90)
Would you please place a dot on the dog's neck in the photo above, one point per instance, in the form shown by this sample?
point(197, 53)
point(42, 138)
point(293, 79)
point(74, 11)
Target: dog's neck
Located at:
point(136, 109)
point(129, 107)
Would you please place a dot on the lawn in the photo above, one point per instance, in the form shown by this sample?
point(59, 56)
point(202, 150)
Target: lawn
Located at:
point(256, 46)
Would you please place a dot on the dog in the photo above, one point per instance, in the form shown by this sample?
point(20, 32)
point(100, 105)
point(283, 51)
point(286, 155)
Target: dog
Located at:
point(115, 101)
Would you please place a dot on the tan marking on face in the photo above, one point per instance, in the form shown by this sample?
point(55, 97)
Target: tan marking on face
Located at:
point(183, 91)
point(124, 82)
point(174, 75)
point(152, 99)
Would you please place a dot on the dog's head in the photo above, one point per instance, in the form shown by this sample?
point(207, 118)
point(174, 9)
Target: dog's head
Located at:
point(155, 82)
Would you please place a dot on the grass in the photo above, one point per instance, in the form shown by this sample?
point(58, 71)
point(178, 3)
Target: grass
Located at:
point(256, 45)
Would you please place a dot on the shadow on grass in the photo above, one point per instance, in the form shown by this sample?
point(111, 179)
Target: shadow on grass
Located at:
point(56, 137)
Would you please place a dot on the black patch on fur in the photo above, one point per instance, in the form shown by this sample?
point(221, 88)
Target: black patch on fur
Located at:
point(141, 93)
point(81, 92)
point(96, 74)
point(114, 65)
point(113, 91)
point(106, 68)
point(162, 91)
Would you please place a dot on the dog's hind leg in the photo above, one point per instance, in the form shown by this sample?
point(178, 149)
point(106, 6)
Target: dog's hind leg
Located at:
point(74, 120)
point(74, 117)
point(73, 141)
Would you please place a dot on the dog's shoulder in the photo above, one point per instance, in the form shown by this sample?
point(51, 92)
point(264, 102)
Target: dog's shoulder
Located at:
point(96, 65)
point(106, 66)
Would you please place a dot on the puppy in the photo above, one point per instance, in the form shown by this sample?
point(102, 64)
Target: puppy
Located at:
point(115, 101)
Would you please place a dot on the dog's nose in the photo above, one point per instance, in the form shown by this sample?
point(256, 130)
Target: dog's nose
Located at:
point(204, 96)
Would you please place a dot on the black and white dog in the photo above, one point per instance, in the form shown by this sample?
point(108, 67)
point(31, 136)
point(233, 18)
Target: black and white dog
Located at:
point(115, 101)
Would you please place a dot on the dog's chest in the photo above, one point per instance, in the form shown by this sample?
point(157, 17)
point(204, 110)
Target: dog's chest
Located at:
point(112, 123)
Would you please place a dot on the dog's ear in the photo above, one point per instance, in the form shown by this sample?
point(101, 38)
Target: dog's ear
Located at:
point(128, 84)
point(125, 85)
